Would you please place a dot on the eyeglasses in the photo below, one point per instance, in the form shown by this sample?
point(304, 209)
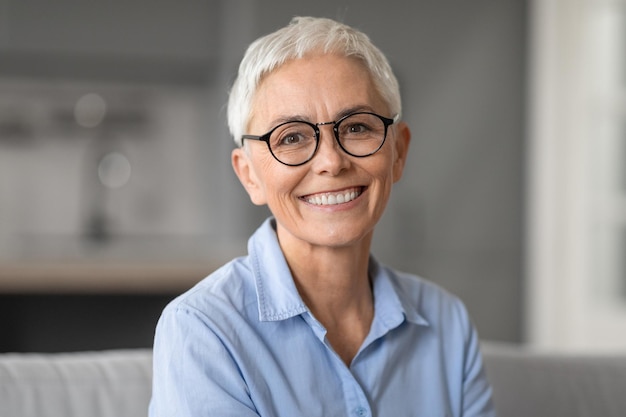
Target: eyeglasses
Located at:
point(295, 142)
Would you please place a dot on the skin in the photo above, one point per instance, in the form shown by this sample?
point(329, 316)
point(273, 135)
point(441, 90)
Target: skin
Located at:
point(327, 247)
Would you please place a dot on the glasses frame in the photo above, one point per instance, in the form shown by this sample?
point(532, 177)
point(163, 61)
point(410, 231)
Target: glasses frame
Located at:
point(266, 137)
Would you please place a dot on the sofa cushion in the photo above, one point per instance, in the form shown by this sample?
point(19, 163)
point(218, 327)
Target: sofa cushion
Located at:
point(535, 383)
point(87, 384)
point(526, 383)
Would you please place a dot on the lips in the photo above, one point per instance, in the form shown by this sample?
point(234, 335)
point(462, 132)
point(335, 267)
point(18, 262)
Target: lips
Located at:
point(333, 198)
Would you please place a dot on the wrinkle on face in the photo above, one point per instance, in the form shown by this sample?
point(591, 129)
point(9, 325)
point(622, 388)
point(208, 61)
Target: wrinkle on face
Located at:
point(320, 88)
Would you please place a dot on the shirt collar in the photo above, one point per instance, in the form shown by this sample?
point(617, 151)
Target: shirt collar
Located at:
point(278, 297)
point(392, 304)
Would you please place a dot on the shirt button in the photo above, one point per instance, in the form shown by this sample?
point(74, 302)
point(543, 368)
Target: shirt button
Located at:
point(360, 412)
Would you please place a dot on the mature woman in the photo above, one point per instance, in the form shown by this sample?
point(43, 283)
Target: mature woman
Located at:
point(309, 323)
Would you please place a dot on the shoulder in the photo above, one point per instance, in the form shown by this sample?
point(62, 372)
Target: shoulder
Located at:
point(228, 290)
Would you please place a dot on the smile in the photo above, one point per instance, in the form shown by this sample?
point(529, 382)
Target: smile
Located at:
point(333, 198)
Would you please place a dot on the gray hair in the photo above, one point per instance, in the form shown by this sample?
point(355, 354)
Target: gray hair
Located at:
point(304, 35)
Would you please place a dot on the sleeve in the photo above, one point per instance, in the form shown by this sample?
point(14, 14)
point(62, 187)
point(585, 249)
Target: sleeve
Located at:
point(477, 393)
point(194, 374)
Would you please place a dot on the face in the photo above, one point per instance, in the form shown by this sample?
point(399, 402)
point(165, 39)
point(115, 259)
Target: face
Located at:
point(306, 200)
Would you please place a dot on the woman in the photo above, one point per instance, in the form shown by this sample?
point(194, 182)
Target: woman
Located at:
point(309, 323)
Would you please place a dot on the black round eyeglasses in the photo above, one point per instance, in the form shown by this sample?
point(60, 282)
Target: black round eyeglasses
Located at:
point(295, 142)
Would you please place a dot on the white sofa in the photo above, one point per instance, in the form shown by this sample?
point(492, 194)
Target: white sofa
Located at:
point(526, 383)
point(531, 383)
point(86, 384)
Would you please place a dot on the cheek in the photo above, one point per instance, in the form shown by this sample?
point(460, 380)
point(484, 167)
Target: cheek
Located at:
point(385, 167)
point(260, 180)
point(277, 181)
point(384, 174)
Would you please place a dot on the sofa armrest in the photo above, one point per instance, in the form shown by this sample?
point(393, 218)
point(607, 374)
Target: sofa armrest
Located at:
point(86, 384)
point(529, 382)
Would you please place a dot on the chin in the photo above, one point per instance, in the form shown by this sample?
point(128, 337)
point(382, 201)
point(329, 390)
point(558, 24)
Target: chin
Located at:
point(340, 235)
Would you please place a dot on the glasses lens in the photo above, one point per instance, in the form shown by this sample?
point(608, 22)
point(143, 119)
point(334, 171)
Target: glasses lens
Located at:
point(293, 143)
point(361, 134)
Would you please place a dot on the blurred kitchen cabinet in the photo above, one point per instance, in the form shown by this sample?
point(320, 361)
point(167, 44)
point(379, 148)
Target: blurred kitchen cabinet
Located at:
point(135, 40)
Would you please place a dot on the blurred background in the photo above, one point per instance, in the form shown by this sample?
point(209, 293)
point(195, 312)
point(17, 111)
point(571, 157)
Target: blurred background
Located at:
point(117, 194)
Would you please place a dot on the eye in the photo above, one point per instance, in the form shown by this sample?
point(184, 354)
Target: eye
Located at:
point(291, 139)
point(358, 128)
point(293, 134)
point(361, 126)
point(355, 129)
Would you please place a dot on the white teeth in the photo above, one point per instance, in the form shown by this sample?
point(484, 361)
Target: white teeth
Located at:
point(332, 199)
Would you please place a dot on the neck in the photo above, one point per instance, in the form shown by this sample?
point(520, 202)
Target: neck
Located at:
point(334, 284)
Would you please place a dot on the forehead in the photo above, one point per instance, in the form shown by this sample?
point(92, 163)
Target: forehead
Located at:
point(317, 85)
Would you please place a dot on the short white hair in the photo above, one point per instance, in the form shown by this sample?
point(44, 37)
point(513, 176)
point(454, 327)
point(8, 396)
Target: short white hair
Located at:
point(302, 36)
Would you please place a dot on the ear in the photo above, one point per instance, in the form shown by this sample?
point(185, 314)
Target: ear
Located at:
point(401, 143)
point(247, 176)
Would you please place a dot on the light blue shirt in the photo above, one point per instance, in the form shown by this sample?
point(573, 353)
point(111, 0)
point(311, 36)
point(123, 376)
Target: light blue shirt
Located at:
point(243, 343)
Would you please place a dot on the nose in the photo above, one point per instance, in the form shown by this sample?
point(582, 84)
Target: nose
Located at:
point(330, 158)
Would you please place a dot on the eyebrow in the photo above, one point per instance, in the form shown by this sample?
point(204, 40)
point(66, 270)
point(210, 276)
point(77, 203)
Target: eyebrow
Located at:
point(300, 117)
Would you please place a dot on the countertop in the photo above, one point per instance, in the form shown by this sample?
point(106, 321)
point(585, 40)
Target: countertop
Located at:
point(144, 277)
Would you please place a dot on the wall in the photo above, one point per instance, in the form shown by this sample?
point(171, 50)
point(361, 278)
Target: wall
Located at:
point(455, 218)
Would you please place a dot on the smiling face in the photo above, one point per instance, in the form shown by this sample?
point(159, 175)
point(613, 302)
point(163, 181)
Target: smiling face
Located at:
point(335, 199)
